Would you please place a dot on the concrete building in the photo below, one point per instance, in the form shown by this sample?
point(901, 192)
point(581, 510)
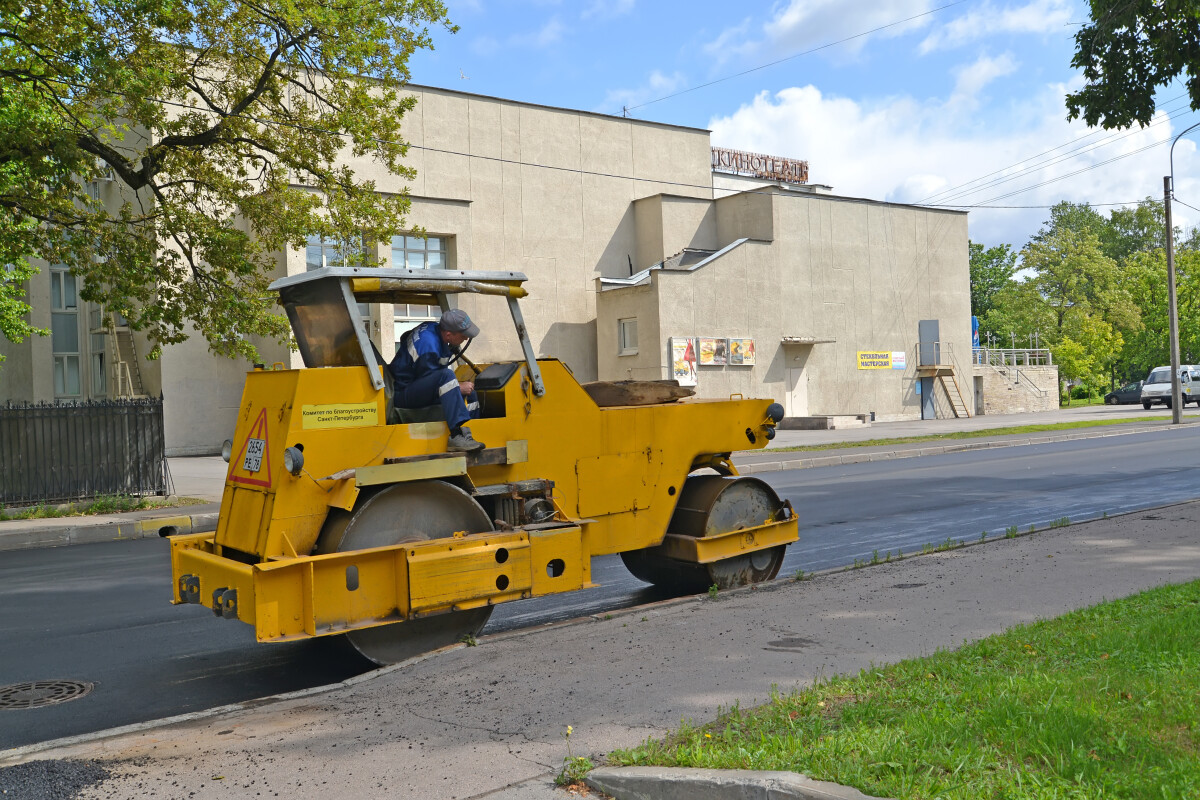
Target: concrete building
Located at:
point(636, 239)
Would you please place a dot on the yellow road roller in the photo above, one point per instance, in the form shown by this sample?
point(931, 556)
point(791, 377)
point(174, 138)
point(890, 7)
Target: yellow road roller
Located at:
point(345, 515)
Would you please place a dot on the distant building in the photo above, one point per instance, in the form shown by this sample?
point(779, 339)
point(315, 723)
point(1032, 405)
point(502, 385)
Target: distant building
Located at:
point(639, 243)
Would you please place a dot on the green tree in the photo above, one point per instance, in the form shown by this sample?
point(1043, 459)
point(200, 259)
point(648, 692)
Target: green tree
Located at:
point(1067, 216)
point(1139, 229)
point(1077, 279)
point(1018, 312)
point(1127, 51)
point(225, 127)
point(992, 269)
point(1088, 302)
point(1146, 282)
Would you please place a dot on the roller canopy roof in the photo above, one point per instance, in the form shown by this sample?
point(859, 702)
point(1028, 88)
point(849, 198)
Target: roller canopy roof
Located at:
point(389, 285)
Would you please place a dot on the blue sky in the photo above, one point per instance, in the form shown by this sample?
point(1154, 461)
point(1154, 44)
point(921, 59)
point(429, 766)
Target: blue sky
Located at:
point(902, 100)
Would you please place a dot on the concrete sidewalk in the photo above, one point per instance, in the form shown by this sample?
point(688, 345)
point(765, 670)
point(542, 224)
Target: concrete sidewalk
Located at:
point(203, 477)
point(490, 721)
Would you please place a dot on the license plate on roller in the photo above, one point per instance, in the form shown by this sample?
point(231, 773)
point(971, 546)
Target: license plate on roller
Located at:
point(254, 454)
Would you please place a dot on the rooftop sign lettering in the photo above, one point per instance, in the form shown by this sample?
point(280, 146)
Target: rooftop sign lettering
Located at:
point(738, 162)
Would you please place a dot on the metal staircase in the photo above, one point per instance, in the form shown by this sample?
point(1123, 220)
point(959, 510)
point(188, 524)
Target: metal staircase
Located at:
point(941, 372)
point(953, 391)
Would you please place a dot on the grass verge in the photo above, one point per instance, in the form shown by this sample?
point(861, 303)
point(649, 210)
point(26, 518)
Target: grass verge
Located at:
point(986, 432)
point(107, 504)
point(1103, 702)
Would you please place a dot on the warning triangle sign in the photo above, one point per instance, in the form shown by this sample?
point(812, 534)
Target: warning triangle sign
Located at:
point(253, 463)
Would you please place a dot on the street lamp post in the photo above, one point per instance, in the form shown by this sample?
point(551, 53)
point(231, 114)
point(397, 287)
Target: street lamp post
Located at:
point(1172, 307)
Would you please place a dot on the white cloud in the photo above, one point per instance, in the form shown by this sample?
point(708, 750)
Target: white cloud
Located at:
point(806, 23)
point(656, 86)
point(904, 150)
point(799, 25)
point(606, 9)
point(972, 78)
point(1037, 17)
point(550, 33)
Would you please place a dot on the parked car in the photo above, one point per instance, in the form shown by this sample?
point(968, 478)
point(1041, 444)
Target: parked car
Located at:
point(1129, 393)
point(1157, 388)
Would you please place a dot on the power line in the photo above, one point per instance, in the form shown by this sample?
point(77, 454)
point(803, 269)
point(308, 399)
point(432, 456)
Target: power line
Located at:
point(951, 194)
point(1089, 204)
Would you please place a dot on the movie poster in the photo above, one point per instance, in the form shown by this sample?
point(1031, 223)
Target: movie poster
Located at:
point(683, 360)
point(748, 352)
point(741, 352)
point(714, 352)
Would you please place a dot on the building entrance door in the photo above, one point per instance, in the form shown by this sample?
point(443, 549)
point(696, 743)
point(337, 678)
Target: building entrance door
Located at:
point(796, 402)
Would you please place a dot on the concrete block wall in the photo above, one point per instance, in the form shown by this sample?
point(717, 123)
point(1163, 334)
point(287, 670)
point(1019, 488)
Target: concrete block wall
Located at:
point(1004, 392)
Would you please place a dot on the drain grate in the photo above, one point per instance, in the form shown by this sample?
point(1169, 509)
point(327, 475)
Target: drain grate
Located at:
point(36, 694)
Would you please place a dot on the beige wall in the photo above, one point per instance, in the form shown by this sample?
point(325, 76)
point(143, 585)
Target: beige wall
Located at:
point(569, 197)
point(544, 191)
point(851, 275)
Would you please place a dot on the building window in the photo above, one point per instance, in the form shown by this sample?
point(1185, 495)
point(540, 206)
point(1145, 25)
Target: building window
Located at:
point(99, 360)
point(415, 252)
point(321, 252)
point(64, 332)
point(627, 344)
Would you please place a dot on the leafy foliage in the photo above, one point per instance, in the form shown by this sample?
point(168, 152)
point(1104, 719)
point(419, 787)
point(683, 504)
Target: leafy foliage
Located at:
point(1093, 289)
point(1127, 51)
point(991, 270)
point(165, 150)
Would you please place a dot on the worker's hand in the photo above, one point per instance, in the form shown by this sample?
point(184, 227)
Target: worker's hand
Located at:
point(466, 387)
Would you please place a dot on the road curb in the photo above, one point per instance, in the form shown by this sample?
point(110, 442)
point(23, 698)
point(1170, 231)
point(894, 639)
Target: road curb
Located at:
point(84, 530)
point(679, 783)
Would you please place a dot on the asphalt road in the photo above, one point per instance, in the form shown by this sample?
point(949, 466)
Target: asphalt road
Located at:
point(98, 613)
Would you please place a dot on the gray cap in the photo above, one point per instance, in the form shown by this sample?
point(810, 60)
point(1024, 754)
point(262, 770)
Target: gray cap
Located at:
point(456, 321)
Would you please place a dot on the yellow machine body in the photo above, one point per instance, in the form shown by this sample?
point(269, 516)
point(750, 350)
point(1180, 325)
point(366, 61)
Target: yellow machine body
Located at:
point(610, 477)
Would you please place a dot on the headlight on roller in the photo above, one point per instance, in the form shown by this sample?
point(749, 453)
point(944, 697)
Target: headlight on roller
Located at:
point(293, 459)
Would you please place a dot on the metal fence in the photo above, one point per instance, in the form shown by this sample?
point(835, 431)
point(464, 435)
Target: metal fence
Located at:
point(56, 452)
point(1007, 357)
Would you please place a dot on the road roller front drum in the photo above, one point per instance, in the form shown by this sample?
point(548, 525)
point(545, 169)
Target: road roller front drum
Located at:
point(710, 505)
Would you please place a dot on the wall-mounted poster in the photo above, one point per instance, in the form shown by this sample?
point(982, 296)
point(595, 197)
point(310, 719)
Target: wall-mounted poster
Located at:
point(899, 359)
point(741, 351)
point(683, 360)
point(714, 352)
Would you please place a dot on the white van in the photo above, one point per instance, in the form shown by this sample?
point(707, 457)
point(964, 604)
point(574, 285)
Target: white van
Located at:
point(1157, 388)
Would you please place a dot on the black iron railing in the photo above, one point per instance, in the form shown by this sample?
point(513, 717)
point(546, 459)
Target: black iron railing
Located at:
point(57, 452)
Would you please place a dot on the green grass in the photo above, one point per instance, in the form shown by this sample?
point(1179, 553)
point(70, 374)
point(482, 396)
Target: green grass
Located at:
point(1009, 431)
point(1100, 703)
point(105, 504)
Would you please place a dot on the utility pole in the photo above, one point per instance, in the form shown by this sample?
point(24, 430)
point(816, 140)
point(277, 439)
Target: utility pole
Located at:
point(1172, 309)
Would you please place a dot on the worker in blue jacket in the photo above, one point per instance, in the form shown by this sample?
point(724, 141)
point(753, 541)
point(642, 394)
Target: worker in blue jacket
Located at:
point(422, 374)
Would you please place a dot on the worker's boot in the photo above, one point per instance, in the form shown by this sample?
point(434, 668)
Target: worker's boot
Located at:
point(464, 441)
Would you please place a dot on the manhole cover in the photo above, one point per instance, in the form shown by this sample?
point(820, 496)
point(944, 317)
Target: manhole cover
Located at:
point(36, 694)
